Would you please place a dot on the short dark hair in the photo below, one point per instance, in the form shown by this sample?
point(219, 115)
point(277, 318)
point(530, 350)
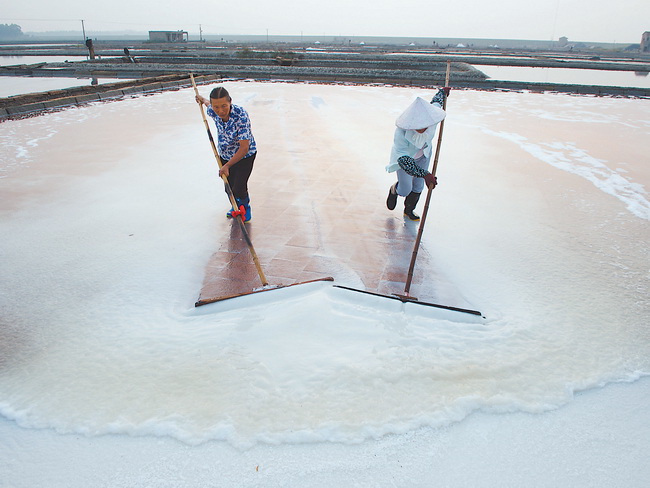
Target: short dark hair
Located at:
point(220, 92)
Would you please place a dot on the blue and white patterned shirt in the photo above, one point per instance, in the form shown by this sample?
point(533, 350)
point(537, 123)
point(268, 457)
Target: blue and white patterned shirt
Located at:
point(238, 128)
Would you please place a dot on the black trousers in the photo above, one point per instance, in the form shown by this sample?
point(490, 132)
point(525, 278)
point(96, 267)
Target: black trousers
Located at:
point(238, 175)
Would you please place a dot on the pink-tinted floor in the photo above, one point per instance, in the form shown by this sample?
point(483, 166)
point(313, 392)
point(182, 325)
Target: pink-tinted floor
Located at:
point(332, 228)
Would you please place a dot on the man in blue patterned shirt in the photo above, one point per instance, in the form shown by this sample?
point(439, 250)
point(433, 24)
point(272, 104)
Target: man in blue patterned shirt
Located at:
point(236, 144)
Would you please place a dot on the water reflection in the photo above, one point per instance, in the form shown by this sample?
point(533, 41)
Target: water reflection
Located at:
point(567, 75)
point(14, 60)
point(21, 85)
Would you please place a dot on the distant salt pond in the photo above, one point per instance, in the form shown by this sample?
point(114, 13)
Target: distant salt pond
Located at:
point(14, 60)
point(10, 86)
point(567, 75)
point(20, 85)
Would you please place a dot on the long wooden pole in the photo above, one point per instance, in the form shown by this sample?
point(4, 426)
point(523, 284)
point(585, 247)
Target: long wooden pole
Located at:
point(231, 196)
point(423, 219)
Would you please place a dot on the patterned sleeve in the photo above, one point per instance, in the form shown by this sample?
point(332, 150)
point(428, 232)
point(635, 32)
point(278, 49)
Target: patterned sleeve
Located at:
point(439, 98)
point(244, 131)
point(407, 163)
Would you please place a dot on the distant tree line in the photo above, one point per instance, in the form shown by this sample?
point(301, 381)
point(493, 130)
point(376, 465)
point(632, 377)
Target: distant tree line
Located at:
point(10, 31)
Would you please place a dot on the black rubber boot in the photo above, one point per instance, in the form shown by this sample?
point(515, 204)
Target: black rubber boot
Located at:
point(391, 201)
point(410, 202)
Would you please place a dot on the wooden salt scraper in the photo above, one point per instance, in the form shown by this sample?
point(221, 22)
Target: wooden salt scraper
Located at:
point(406, 297)
point(242, 226)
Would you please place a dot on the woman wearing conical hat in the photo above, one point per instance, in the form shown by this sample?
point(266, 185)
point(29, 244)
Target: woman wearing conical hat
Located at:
point(411, 152)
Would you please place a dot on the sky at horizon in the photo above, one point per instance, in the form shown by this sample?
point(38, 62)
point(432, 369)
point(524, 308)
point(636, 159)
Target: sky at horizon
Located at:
point(623, 22)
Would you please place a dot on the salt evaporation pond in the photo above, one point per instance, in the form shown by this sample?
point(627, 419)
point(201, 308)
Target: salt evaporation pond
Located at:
point(21, 85)
point(569, 76)
point(18, 60)
point(544, 227)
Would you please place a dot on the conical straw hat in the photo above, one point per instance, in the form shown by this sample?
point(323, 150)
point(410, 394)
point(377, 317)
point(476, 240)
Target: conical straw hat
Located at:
point(420, 115)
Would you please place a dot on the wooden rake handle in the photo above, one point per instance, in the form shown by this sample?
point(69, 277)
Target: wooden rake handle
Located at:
point(423, 219)
point(231, 196)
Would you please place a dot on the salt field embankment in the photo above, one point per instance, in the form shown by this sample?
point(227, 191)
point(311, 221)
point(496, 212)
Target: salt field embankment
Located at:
point(157, 67)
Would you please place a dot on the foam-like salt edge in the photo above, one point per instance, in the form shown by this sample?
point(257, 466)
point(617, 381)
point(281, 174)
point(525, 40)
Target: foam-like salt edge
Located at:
point(177, 427)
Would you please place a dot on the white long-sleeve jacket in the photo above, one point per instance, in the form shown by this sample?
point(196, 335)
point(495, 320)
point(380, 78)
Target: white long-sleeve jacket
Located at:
point(407, 141)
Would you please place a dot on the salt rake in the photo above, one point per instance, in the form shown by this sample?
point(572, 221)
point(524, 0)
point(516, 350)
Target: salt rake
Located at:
point(406, 297)
point(240, 220)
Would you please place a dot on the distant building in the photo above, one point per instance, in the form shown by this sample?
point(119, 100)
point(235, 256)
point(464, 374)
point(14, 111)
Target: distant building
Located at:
point(168, 36)
point(563, 41)
point(645, 42)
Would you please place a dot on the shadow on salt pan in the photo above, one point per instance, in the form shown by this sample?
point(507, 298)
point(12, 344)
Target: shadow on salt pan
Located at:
point(345, 301)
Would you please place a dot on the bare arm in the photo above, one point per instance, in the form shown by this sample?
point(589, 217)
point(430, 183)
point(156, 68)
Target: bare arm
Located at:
point(202, 100)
